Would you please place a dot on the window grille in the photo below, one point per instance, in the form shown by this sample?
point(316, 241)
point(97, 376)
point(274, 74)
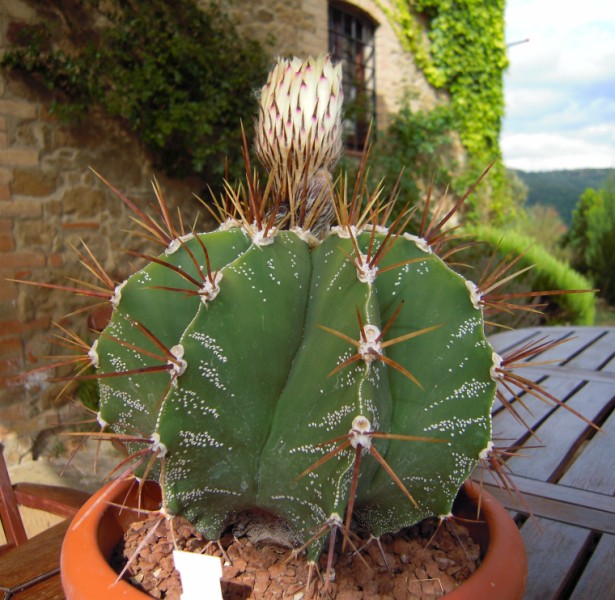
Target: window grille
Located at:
point(351, 42)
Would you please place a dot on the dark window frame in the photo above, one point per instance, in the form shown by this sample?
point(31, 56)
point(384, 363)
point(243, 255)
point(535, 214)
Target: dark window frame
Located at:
point(352, 42)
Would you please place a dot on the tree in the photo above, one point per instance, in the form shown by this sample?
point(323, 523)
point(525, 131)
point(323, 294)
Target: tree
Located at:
point(592, 237)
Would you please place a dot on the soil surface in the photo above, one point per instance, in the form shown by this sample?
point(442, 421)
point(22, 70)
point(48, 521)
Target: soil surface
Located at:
point(422, 562)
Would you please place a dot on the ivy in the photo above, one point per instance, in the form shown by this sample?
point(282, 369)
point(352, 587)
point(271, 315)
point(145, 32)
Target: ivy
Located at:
point(180, 76)
point(459, 45)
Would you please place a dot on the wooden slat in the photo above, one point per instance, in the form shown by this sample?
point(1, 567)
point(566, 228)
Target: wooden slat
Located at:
point(57, 500)
point(41, 554)
point(588, 471)
point(596, 354)
point(507, 340)
point(560, 434)
point(570, 373)
point(583, 374)
point(555, 551)
point(576, 342)
point(582, 511)
point(609, 367)
point(506, 426)
point(597, 580)
point(561, 493)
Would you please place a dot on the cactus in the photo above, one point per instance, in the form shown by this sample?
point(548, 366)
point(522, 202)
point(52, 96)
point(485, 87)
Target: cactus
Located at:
point(320, 372)
point(268, 368)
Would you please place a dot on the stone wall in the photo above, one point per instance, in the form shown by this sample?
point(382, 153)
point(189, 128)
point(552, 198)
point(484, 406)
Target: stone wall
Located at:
point(50, 200)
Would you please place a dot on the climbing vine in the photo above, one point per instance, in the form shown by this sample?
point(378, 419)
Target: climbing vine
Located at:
point(180, 76)
point(460, 47)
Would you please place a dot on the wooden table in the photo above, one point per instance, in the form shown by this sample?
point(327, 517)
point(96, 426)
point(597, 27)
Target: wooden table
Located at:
point(569, 485)
point(31, 571)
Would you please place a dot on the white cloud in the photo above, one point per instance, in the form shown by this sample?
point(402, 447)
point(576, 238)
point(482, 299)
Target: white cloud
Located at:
point(559, 89)
point(545, 152)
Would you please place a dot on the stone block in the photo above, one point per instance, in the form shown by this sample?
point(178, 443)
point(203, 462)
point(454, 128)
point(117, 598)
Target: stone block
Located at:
point(19, 10)
point(7, 244)
point(34, 234)
point(19, 157)
point(19, 260)
point(22, 209)
point(18, 108)
point(32, 182)
point(83, 201)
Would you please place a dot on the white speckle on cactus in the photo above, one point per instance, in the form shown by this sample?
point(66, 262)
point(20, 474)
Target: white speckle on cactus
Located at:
point(211, 288)
point(176, 244)
point(473, 388)
point(365, 273)
point(202, 439)
point(157, 446)
point(117, 294)
point(370, 348)
point(93, 354)
point(179, 365)
point(485, 452)
point(332, 419)
point(474, 293)
point(210, 344)
point(361, 427)
point(458, 425)
point(421, 243)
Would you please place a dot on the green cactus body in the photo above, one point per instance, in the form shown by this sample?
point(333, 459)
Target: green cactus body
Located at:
point(260, 389)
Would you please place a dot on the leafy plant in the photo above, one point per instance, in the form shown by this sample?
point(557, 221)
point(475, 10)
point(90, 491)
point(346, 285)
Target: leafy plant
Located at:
point(544, 272)
point(418, 143)
point(180, 75)
point(460, 48)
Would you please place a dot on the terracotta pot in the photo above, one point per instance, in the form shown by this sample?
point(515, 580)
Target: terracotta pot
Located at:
point(86, 574)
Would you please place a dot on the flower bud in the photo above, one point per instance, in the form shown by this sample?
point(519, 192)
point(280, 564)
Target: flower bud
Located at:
point(299, 129)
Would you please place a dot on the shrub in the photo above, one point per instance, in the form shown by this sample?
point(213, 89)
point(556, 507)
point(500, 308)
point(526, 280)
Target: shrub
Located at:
point(546, 273)
point(592, 237)
point(179, 75)
point(418, 142)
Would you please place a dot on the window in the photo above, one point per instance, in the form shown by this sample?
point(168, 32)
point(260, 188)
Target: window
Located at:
point(351, 42)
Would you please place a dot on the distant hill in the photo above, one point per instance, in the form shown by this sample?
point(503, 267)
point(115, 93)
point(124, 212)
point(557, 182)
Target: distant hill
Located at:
point(562, 189)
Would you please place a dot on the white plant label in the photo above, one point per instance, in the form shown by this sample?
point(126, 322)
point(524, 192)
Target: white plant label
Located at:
point(200, 575)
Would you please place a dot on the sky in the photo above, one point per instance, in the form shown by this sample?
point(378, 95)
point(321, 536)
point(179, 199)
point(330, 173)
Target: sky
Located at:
point(560, 86)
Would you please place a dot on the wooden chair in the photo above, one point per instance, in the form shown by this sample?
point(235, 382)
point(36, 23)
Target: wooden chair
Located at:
point(57, 500)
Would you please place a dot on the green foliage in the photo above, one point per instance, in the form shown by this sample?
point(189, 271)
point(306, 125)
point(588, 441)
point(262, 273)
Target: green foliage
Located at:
point(562, 189)
point(419, 143)
point(592, 237)
point(464, 52)
point(180, 76)
point(547, 273)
